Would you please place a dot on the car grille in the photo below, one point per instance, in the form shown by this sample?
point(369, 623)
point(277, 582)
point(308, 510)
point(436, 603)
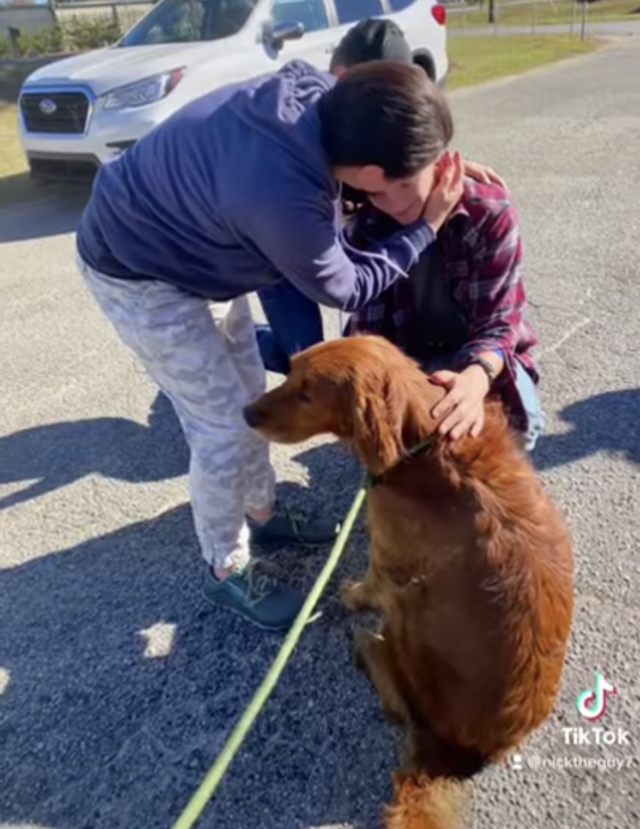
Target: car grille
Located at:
point(55, 112)
point(80, 169)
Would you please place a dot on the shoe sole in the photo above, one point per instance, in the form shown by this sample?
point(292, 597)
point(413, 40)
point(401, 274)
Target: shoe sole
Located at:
point(288, 542)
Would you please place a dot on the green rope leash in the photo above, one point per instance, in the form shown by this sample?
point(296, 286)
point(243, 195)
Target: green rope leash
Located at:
point(211, 781)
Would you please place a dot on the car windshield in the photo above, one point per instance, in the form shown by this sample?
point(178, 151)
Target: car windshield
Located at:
point(189, 21)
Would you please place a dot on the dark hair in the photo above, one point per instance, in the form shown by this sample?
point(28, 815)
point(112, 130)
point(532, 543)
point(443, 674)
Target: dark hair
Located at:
point(387, 114)
point(371, 39)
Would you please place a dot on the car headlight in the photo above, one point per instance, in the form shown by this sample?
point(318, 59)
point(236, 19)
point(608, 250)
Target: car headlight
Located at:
point(147, 91)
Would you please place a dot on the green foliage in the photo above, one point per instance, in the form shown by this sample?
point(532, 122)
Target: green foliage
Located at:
point(43, 42)
point(91, 33)
point(77, 35)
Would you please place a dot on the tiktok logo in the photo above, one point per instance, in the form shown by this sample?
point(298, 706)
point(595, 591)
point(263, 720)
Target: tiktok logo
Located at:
point(592, 702)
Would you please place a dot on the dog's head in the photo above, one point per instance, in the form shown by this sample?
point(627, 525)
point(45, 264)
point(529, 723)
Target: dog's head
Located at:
point(362, 389)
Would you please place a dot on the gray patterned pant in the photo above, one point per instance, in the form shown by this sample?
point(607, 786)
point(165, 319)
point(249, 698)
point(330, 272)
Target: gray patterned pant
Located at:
point(204, 357)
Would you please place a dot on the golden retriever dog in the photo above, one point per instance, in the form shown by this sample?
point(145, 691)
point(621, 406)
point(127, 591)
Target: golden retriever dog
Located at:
point(470, 567)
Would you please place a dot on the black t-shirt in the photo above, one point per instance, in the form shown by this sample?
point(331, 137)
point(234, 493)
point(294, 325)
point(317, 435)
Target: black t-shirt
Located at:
point(438, 325)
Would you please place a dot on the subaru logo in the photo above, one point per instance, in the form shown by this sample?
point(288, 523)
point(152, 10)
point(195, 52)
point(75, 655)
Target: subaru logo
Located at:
point(47, 106)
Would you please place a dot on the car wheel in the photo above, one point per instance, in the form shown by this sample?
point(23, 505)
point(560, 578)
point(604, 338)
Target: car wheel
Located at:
point(425, 61)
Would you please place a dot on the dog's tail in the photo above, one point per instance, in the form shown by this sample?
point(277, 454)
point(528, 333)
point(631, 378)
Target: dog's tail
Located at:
point(436, 795)
point(423, 802)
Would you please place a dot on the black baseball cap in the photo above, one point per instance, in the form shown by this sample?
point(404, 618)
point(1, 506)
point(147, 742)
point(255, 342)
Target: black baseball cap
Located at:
point(372, 39)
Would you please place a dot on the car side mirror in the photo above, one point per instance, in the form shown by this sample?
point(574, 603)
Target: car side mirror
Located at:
point(277, 33)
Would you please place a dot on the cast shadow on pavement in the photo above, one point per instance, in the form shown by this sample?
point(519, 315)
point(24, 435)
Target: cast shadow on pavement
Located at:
point(119, 685)
point(57, 454)
point(55, 211)
point(608, 422)
point(45, 458)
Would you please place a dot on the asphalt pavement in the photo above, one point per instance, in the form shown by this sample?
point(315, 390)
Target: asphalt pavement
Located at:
point(118, 684)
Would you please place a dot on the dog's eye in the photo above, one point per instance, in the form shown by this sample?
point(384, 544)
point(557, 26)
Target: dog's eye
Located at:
point(304, 397)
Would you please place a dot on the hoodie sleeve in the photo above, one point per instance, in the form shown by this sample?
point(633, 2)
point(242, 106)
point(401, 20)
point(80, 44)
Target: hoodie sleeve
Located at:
point(302, 243)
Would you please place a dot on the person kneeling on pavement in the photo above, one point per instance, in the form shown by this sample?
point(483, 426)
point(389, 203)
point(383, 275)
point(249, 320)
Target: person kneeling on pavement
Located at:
point(461, 310)
point(460, 313)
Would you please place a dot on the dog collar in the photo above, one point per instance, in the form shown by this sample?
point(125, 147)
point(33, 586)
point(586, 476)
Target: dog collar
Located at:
point(421, 448)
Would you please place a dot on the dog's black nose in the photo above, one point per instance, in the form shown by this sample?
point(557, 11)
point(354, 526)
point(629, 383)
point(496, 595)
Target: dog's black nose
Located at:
point(250, 416)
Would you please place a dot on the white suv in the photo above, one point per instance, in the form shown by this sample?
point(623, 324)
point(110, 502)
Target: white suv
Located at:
point(79, 112)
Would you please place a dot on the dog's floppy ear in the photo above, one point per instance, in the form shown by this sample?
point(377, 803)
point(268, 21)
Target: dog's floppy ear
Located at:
point(378, 419)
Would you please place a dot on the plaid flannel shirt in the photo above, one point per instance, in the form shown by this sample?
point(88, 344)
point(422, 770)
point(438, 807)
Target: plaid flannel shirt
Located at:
point(481, 250)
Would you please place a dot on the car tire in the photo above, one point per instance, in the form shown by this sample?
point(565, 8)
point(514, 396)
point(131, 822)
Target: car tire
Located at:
point(426, 62)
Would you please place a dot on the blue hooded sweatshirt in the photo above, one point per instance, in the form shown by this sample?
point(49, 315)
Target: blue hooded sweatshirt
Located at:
point(233, 193)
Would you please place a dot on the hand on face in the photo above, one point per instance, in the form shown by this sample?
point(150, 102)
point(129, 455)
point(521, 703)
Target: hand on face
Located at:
point(430, 194)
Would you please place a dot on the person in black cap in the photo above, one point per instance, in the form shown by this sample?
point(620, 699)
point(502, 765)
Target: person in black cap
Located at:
point(460, 313)
point(294, 322)
point(370, 39)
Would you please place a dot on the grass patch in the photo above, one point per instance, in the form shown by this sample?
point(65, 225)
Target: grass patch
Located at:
point(15, 184)
point(542, 12)
point(478, 59)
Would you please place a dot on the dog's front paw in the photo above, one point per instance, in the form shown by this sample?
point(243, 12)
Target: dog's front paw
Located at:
point(370, 657)
point(362, 643)
point(353, 595)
